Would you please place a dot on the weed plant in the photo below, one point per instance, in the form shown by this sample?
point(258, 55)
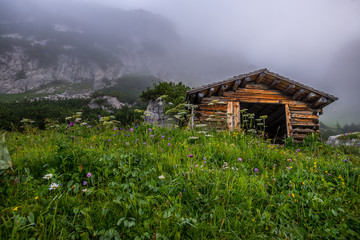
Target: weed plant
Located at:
point(142, 182)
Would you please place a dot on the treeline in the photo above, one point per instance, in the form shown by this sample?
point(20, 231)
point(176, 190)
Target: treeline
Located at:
point(127, 90)
point(327, 131)
point(45, 111)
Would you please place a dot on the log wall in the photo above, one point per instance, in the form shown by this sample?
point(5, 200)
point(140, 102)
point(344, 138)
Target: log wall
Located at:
point(301, 119)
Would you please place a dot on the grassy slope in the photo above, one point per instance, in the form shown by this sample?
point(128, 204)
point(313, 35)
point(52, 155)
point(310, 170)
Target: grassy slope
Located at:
point(310, 193)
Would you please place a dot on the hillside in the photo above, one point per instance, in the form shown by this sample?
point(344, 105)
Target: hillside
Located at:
point(100, 181)
point(42, 42)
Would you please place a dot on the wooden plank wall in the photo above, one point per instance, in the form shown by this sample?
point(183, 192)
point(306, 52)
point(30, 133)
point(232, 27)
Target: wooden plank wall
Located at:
point(215, 109)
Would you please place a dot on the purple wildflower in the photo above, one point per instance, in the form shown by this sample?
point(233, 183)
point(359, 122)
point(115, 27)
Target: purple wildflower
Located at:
point(169, 144)
point(256, 170)
point(84, 183)
point(298, 150)
point(239, 159)
point(131, 129)
point(345, 160)
point(162, 136)
point(151, 135)
point(150, 129)
point(144, 143)
point(190, 155)
point(88, 175)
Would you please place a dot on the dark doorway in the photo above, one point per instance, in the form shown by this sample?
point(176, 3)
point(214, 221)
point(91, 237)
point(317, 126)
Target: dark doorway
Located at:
point(275, 122)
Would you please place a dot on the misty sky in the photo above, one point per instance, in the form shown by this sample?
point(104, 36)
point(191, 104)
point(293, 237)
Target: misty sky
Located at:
point(287, 36)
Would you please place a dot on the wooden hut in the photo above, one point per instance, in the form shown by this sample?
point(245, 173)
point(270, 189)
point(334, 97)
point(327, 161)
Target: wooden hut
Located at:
point(292, 108)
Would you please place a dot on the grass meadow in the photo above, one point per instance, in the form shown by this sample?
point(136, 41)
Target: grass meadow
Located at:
point(79, 181)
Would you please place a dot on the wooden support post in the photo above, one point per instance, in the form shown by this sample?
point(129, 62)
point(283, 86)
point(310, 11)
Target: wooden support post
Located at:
point(210, 92)
point(288, 122)
point(236, 85)
point(288, 89)
point(230, 117)
point(221, 90)
point(199, 97)
point(259, 78)
point(298, 94)
point(237, 117)
point(245, 82)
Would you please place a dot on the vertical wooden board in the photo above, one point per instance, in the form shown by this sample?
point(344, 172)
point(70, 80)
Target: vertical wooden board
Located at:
point(229, 112)
point(288, 121)
point(237, 117)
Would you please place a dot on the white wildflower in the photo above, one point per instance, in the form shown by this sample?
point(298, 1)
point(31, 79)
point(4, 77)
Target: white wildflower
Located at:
point(53, 186)
point(48, 176)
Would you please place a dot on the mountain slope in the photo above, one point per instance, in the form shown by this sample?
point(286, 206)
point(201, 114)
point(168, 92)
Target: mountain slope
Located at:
point(42, 41)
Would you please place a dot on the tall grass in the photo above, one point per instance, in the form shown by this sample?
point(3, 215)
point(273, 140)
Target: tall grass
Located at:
point(153, 183)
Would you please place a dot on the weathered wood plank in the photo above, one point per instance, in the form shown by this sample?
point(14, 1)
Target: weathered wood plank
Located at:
point(299, 136)
point(306, 116)
point(288, 119)
point(258, 91)
point(303, 130)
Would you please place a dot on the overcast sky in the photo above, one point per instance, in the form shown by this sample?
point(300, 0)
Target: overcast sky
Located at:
point(286, 36)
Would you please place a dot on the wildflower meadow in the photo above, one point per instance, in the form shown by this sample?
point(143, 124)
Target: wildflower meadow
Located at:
point(78, 181)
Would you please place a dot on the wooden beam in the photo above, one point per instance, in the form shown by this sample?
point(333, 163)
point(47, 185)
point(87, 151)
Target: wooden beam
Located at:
point(310, 97)
point(319, 102)
point(298, 94)
point(210, 92)
point(245, 82)
point(259, 78)
point(288, 119)
point(236, 85)
point(274, 83)
point(288, 89)
point(221, 90)
point(199, 97)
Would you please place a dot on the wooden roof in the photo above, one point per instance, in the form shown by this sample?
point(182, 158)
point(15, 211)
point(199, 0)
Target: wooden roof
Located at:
point(295, 90)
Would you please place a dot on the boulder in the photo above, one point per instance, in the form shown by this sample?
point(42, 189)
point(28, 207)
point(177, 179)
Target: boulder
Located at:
point(347, 139)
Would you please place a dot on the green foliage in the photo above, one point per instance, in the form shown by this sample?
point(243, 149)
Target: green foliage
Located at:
point(175, 92)
point(5, 159)
point(148, 182)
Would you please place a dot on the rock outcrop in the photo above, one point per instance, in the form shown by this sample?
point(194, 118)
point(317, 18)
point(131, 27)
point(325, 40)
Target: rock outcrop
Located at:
point(348, 139)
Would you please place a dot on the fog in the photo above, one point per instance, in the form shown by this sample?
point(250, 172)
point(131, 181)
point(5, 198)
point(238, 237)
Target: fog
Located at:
point(314, 42)
point(291, 36)
point(302, 40)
